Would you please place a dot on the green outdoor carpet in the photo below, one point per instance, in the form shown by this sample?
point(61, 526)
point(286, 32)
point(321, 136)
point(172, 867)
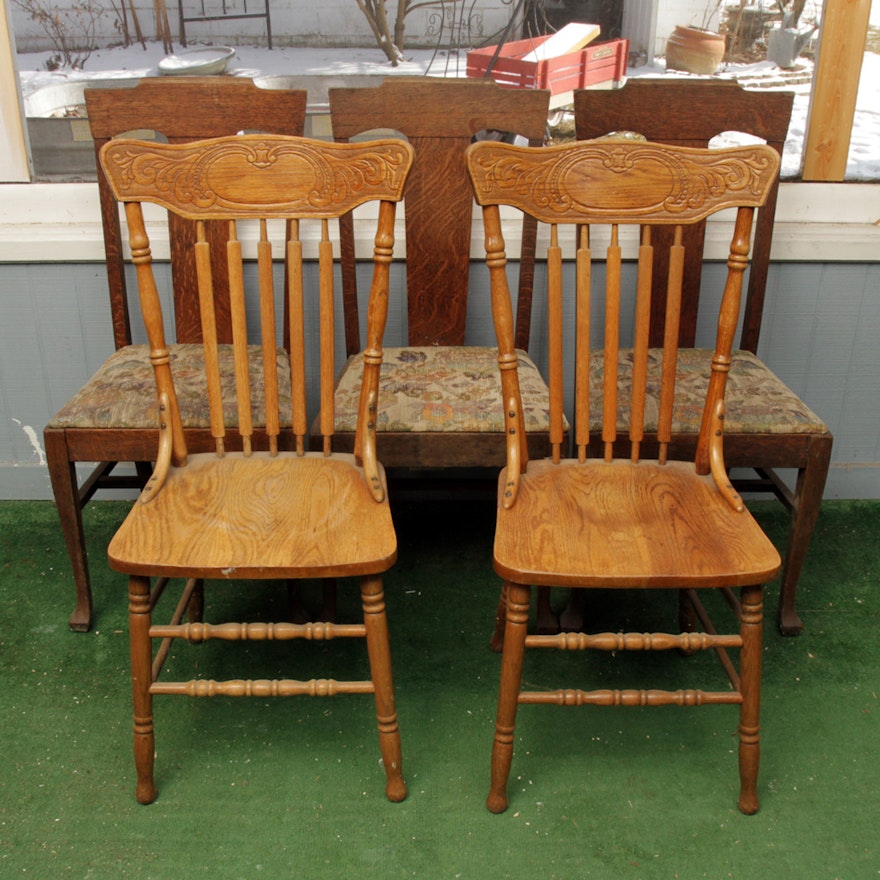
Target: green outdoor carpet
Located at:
point(293, 788)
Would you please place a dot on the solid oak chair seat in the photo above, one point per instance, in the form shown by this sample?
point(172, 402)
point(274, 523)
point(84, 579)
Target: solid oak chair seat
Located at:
point(619, 525)
point(316, 517)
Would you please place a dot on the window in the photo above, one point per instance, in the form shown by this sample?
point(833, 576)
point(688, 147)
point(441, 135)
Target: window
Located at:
point(827, 141)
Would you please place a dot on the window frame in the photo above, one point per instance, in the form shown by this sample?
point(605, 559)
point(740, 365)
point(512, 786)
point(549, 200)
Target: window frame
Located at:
point(14, 148)
point(835, 89)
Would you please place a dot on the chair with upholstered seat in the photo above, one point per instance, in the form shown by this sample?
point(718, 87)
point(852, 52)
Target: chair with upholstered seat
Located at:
point(108, 420)
point(768, 428)
point(259, 506)
point(639, 522)
point(439, 393)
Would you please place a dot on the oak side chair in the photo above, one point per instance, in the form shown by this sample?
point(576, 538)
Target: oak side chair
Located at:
point(440, 395)
point(636, 522)
point(109, 420)
point(259, 506)
point(768, 427)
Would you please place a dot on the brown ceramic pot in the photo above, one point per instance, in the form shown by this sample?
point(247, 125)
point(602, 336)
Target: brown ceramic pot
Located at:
point(695, 50)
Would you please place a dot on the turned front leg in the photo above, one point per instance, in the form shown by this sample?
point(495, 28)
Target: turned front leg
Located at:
point(379, 651)
point(751, 629)
point(141, 679)
point(518, 600)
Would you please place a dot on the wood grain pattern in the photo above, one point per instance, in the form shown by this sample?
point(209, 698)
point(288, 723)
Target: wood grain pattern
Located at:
point(237, 517)
point(627, 182)
point(835, 92)
point(615, 525)
point(261, 176)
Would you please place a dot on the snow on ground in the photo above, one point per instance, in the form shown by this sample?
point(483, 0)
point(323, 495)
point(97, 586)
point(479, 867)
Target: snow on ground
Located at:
point(864, 159)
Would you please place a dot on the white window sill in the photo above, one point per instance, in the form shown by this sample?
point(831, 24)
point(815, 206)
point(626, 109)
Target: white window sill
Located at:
point(815, 222)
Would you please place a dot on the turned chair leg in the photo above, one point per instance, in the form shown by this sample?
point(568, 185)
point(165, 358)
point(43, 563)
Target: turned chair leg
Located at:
point(141, 679)
point(379, 652)
point(751, 629)
point(518, 602)
point(62, 473)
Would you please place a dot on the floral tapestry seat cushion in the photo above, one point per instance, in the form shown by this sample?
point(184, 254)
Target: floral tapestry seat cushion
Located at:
point(456, 389)
point(756, 400)
point(122, 394)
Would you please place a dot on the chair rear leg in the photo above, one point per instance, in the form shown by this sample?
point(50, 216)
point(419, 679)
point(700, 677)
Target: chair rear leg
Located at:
point(62, 473)
point(141, 679)
point(379, 652)
point(572, 617)
point(518, 602)
point(751, 630)
point(808, 498)
point(296, 607)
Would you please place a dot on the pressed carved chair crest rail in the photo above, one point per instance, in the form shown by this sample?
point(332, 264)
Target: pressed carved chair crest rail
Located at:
point(219, 177)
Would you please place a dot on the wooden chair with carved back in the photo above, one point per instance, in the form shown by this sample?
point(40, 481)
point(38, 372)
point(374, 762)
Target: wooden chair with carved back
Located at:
point(768, 428)
point(439, 393)
point(637, 522)
point(259, 506)
point(107, 421)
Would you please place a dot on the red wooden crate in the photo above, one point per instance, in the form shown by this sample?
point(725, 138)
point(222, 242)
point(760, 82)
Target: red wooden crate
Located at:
point(596, 63)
